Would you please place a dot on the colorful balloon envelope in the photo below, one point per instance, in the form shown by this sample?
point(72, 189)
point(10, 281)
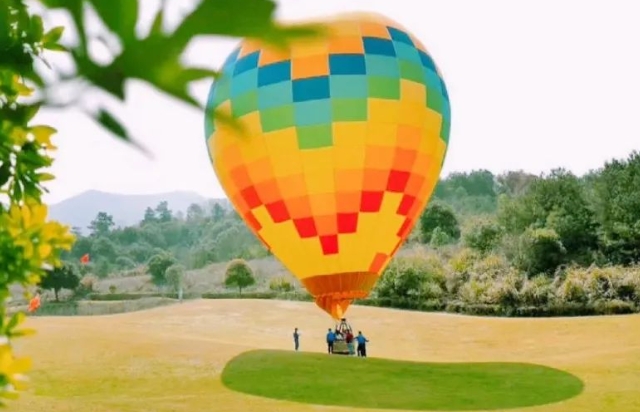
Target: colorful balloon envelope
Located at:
point(343, 140)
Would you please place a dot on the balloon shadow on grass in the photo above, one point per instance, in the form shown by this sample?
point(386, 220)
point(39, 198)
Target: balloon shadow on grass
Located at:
point(387, 384)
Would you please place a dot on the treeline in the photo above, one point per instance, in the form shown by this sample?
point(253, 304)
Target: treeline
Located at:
point(512, 241)
point(203, 236)
point(556, 244)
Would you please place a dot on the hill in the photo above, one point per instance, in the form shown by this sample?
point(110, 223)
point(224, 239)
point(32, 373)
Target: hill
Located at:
point(126, 210)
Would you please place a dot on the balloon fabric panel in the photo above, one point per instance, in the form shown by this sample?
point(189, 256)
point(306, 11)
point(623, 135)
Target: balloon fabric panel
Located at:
point(346, 139)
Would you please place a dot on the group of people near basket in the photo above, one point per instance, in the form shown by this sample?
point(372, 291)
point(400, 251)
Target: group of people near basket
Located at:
point(343, 335)
point(348, 337)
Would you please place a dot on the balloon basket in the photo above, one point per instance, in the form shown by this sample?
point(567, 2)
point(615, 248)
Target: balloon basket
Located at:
point(340, 346)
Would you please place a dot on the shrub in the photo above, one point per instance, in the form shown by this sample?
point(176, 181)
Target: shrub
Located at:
point(539, 251)
point(537, 291)
point(124, 263)
point(484, 236)
point(157, 267)
point(280, 284)
point(174, 276)
point(505, 291)
point(439, 238)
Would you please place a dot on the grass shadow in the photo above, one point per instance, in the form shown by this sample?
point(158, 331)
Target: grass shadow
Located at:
point(387, 384)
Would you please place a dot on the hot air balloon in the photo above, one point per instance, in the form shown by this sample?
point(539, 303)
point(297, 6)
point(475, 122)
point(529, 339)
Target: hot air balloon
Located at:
point(343, 141)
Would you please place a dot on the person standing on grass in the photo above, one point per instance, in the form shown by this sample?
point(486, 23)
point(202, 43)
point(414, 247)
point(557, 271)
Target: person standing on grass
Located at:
point(362, 345)
point(331, 337)
point(296, 339)
point(349, 339)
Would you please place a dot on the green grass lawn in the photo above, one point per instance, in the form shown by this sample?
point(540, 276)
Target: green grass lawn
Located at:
point(379, 383)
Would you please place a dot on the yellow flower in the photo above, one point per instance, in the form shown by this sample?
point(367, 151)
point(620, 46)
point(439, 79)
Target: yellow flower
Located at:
point(13, 369)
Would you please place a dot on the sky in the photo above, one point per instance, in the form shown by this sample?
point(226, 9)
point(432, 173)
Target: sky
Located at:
point(534, 85)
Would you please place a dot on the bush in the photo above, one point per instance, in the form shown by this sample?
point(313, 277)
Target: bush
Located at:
point(280, 284)
point(539, 251)
point(124, 263)
point(174, 276)
point(484, 236)
point(537, 291)
point(158, 265)
point(86, 286)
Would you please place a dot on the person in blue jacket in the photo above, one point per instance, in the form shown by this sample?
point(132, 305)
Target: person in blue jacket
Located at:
point(331, 337)
point(362, 345)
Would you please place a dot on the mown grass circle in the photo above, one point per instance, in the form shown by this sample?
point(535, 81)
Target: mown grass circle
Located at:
point(387, 384)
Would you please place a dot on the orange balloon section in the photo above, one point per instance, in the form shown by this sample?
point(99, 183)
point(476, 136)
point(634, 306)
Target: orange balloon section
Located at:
point(343, 140)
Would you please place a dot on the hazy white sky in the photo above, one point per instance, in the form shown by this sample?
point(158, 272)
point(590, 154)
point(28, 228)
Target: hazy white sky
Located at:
point(533, 85)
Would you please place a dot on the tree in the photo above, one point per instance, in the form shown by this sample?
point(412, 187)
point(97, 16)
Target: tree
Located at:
point(64, 277)
point(559, 202)
point(439, 238)
point(514, 183)
point(195, 213)
point(617, 205)
point(539, 251)
point(218, 213)
point(239, 274)
point(484, 236)
point(149, 216)
point(157, 267)
point(163, 212)
point(101, 225)
point(440, 216)
point(175, 277)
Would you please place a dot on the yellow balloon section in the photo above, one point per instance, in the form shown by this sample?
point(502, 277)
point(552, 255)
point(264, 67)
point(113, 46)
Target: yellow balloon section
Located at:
point(346, 137)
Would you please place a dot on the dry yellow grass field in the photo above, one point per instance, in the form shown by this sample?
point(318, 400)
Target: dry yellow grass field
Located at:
point(170, 358)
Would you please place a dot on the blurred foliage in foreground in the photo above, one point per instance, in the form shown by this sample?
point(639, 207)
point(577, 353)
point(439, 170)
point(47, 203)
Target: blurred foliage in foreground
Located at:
point(29, 243)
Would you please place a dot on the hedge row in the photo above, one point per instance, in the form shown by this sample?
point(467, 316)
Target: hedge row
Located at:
point(604, 307)
point(136, 296)
point(304, 297)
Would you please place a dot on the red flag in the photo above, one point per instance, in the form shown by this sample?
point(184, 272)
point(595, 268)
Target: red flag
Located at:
point(34, 304)
point(84, 259)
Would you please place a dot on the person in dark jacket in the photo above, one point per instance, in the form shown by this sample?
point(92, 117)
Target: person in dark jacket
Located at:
point(296, 339)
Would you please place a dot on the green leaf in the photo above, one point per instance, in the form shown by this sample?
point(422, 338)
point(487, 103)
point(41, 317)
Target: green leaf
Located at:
point(55, 47)
point(120, 16)
point(76, 9)
point(53, 35)
point(16, 320)
point(110, 78)
point(5, 173)
point(193, 73)
point(37, 28)
point(45, 177)
point(227, 18)
point(231, 18)
point(109, 122)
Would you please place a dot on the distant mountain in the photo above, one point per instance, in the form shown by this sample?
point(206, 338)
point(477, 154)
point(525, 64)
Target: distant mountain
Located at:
point(126, 210)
